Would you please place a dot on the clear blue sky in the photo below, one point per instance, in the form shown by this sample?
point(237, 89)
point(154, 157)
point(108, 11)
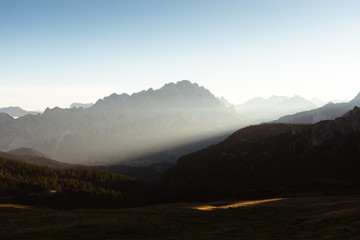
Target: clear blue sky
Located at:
point(59, 52)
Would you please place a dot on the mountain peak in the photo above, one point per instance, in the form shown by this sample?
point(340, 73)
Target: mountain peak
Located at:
point(180, 94)
point(186, 82)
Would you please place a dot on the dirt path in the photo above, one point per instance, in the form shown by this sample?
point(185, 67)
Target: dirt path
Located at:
point(207, 207)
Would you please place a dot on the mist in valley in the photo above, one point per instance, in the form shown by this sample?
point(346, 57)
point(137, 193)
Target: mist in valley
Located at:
point(122, 127)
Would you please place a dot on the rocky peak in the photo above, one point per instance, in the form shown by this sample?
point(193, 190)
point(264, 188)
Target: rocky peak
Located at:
point(180, 94)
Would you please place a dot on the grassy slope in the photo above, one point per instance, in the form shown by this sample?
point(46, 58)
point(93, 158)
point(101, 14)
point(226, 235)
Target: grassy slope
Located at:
point(327, 217)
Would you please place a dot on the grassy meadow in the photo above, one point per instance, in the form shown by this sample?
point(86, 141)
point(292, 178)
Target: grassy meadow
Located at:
point(323, 217)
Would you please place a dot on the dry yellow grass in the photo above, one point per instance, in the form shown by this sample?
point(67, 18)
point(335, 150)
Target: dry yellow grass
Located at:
point(235, 205)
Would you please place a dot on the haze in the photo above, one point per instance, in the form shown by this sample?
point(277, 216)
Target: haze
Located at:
point(53, 53)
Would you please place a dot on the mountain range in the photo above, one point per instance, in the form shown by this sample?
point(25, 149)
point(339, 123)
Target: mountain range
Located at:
point(274, 155)
point(326, 112)
point(122, 127)
point(259, 109)
point(81, 105)
point(17, 111)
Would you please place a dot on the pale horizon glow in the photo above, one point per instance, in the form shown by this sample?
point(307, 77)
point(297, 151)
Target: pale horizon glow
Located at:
point(58, 95)
point(64, 95)
point(54, 53)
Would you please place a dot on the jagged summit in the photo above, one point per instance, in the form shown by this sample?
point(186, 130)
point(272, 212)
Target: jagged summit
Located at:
point(120, 127)
point(180, 94)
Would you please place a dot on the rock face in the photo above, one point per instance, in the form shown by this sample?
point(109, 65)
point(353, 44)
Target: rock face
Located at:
point(328, 112)
point(274, 155)
point(121, 127)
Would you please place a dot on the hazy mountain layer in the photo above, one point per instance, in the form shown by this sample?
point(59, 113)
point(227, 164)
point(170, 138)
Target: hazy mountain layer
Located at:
point(275, 155)
point(29, 155)
point(259, 109)
point(17, 111)
point(122, 127)
point(81, 105)
point(327, 112)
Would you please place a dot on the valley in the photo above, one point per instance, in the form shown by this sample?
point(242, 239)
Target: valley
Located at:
point(177, 163)
point(160, 119)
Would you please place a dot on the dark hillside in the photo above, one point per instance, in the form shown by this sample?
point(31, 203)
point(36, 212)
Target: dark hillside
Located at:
point(274, 156)
point(67, 188)
point(29, 155)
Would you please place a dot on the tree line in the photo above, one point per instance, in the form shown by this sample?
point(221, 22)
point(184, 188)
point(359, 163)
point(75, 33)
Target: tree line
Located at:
point(67, 188)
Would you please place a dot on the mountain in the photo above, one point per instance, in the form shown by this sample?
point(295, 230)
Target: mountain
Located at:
point(327, 112)
point(274, 155)
point(17, 111)
point(260, 110)
point(29, 155)
point(81, 105)
point(123, 127)
point(4, 117)
point(28, 152)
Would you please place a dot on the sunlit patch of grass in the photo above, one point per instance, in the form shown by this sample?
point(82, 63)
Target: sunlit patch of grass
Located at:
point(18, 206)
point(315, 218)
point(235, 205)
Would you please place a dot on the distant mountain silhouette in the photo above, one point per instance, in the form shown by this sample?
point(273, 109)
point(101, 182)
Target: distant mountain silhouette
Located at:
point(123, 127)
point(327, 112)
point(274, 155)
point(260, 110)
point(81, 105)
point(17, 111)
point(28, 152)
point(30, 155)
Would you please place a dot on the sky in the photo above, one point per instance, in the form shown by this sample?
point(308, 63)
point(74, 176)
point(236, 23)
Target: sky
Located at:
point(54, 53)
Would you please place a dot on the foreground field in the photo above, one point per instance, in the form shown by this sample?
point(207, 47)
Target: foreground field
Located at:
point(326, 217)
